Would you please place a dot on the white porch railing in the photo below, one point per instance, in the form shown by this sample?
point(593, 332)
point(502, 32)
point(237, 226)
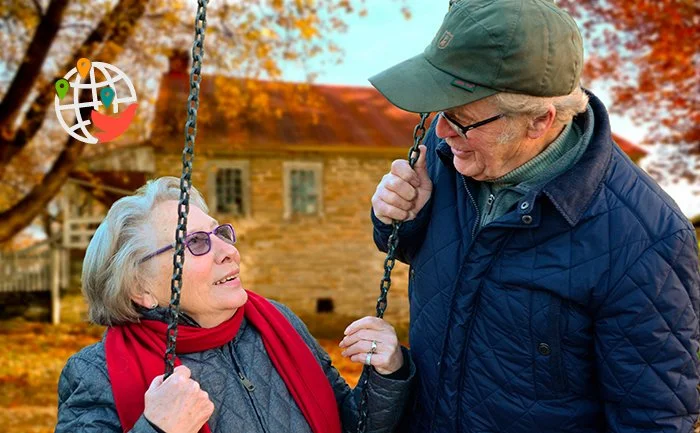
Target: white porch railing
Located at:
point(35, 269)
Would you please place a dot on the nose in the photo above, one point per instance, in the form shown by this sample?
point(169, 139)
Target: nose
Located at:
point(443, 130)
point(224, 252)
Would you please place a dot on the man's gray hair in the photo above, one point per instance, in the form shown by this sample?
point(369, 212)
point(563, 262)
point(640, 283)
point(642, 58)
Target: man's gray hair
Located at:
point(111, 269)
point(517, 106)
point(567, 106)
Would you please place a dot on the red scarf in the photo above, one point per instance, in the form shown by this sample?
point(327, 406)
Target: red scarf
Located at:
point(135, 356)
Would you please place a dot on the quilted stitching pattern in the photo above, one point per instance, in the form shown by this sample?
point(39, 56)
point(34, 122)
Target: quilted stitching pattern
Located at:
point(86, 403)
point(613, 298)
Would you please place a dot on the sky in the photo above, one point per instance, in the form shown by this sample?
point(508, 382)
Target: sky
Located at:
point(384, 38)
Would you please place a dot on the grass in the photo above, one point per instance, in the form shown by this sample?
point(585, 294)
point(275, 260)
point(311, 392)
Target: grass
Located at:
point(34, 354)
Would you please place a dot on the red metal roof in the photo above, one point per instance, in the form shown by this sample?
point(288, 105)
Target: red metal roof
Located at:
point(313, 116)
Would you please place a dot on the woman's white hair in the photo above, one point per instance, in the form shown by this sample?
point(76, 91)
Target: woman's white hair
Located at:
point(111, 268)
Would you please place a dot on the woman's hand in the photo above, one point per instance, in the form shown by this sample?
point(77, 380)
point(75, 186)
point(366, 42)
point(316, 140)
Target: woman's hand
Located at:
point(359, 335)
point(177, 405)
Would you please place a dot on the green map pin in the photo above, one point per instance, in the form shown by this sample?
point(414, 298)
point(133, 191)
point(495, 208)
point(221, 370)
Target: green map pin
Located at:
point(106, 95)
point(62, 87)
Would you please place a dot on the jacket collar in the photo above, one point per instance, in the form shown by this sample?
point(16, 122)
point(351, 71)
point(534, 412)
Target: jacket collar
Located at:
point(572, 191)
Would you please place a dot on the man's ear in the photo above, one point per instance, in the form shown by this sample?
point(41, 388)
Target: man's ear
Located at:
point(540, 125)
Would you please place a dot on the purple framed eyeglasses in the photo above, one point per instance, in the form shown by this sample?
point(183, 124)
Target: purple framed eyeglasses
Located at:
point(199, 243)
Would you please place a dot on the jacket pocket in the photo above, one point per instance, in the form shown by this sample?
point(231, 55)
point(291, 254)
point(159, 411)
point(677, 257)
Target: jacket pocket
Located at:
point(547, 324)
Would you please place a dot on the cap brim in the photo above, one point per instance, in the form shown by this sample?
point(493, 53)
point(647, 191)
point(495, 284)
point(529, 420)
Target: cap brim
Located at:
point(416, 85)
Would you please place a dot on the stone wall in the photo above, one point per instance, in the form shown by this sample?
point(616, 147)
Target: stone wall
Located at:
point(302, 259)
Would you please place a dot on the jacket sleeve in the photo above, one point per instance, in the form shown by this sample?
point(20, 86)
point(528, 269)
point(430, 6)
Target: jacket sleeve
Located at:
point(85, 401)
point(387, 399)
point(411, 233)
point(647, 341)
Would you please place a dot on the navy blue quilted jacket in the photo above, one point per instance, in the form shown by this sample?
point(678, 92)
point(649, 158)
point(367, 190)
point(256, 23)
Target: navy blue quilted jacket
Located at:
point(576, 312)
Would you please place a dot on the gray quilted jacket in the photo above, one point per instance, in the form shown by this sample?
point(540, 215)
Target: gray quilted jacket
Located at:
point(86, 403)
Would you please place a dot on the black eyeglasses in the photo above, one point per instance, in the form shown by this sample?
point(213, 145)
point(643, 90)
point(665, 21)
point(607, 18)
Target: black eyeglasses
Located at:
point(462, 130)
point(199, 243)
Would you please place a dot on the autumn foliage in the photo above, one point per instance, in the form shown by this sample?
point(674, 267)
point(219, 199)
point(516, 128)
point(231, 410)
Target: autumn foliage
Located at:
point(647, 51)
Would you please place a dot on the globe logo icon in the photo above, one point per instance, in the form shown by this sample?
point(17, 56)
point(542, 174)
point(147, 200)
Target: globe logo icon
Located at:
point(111, 90)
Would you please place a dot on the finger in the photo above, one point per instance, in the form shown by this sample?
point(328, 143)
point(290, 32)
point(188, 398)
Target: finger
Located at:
point(195, 385)
point(402, 169)
point(402, 188)
point(395, 199)
point(362, 346)
point(362, 335)
point(361, 358)
point(367, 322)
point(383, 211)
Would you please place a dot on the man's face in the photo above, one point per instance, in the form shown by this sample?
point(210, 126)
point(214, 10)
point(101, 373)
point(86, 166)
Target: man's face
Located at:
point(484, 154)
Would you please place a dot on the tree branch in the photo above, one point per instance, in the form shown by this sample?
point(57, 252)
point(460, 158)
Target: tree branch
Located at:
point(37, 6)
point(29, 69)
point(22, 213)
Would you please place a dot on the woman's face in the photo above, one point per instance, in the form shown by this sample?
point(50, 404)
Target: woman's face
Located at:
point(211, 283)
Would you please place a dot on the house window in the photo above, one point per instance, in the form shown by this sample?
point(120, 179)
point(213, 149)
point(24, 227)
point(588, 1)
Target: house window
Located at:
point(303, 188)
point(228, 187)
point(324, 305)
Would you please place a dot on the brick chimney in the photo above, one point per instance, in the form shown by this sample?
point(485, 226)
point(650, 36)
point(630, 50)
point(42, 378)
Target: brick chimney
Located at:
point(179, 62)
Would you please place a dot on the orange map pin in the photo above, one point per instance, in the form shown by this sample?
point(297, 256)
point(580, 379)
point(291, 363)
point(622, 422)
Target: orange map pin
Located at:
point(84, 66)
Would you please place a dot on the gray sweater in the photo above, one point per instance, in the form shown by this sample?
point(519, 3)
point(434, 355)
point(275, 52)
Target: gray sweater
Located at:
point(86, 403)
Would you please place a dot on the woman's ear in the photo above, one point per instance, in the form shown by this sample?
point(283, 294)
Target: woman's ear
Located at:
point(145, 299)
point(541, 124)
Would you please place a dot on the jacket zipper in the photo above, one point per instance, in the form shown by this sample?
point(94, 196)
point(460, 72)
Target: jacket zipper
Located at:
point(478, 216)
point(477, 304)
point(476, 225)
point(247, 384)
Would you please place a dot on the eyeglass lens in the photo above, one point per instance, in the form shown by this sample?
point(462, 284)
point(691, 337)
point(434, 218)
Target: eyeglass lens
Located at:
point(199, 243)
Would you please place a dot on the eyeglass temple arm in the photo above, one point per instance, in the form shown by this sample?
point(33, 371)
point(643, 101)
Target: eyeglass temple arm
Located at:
point(155, 253)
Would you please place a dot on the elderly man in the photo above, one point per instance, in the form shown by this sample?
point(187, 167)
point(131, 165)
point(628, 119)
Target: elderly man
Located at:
point(554, 287)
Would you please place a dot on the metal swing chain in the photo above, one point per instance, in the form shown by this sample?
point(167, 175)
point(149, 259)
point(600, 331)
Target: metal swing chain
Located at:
point(200, 25)
point(389, 262)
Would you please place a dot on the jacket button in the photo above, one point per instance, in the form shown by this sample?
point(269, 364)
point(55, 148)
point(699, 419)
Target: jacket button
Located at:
point(527, 219)
point(544, 349)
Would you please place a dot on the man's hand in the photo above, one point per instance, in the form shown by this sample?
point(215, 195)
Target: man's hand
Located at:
point(403, 191)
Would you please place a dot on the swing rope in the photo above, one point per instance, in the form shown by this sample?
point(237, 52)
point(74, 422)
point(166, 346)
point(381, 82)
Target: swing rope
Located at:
point(389, 262)
point(184, 207)
point(200, 25)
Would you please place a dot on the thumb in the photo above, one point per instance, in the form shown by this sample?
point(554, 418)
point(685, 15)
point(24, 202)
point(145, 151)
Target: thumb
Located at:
point(420, 167)
point(156, 382)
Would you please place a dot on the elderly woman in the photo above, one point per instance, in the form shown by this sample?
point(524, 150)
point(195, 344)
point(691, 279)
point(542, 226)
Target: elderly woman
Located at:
point(244, 363)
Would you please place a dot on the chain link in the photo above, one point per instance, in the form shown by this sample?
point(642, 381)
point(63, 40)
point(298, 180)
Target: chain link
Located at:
point(389, 262)
point(200, 25)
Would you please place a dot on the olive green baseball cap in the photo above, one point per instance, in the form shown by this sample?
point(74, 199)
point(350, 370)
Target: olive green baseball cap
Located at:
point(488, 46)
